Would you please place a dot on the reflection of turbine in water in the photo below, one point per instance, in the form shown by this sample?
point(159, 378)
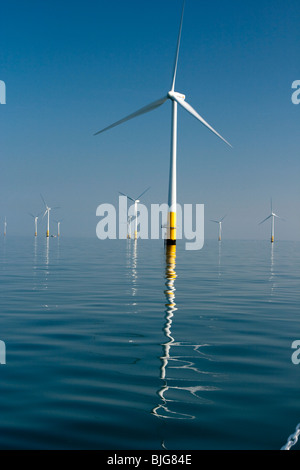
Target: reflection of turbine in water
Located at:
point(46, 271)
point(35, 254)
point(134, 268)
point(272, 273)
point(220, 258)
point(170, 306)
point(132, 265)
point(35, 265)
point(181, 362)
point(47, 251)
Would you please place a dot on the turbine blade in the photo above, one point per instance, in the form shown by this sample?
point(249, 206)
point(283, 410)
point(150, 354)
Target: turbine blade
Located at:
point(45, 213)
point(44, 201)
point(223, 218)
point(31, 215)
point(178, 47)
point(265, 220)
point(271, 205)
point(145, 109)
point(54, 208)
point(215, 221)
point(143, 193)
point(128, 197)
point(194, 113)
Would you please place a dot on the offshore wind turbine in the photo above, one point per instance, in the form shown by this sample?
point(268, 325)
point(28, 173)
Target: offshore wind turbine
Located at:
point(5, 227)
point(220, 226)
point(175, 98)
point(36, 218)
point(272, 217)
point(47, 211)
point(136, 201)
point(58, 222)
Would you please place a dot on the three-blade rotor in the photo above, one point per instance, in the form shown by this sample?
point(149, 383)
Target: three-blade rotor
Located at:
point(172, 95)
point(138, 198)
point(271, 215)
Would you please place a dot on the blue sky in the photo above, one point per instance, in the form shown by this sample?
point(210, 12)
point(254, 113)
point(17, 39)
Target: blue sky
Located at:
point(73, 68)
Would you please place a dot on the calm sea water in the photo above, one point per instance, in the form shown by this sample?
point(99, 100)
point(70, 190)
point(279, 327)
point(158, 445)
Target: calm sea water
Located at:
point(118, 345)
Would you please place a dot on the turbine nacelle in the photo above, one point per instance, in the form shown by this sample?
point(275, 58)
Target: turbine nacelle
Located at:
point(48, 209)
point(173, 95)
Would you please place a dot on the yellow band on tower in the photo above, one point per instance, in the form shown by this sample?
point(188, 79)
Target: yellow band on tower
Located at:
point(272, 239)
point(47, 235)
point(172, 225)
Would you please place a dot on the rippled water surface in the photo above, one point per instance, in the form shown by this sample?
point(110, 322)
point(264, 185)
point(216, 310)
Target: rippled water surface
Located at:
point(120, 345)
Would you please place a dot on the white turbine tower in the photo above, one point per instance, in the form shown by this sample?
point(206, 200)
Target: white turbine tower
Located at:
point(129, 219)
point(272, 217)
point(5, 227)
point(36, 218)
point(136, 201)
point(47, 211)
point(175, 98)
point(58, 222)
point(220, 226)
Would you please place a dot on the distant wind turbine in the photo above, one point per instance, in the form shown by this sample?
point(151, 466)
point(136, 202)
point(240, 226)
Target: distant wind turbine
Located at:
point(176, 98)
point(272, 217)
point(47, 211)
point(5, 227)
point(58, 222)
point(136, 201)
point(220, 226)
point(36, 218)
